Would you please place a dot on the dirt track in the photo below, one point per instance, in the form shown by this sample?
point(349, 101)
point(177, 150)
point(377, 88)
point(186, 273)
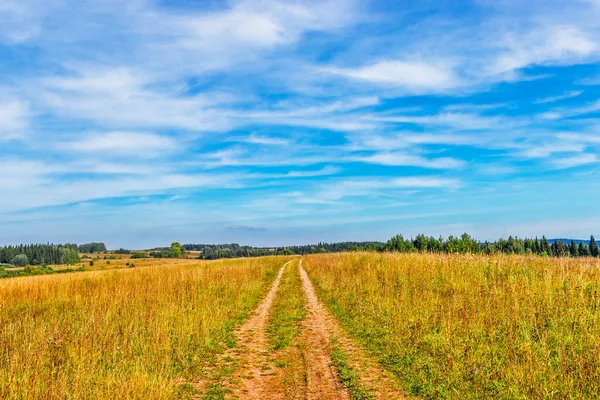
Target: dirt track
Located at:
point(314, 378)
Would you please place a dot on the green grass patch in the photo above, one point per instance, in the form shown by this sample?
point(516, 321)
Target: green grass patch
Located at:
point(288, 309)
point(348, 375)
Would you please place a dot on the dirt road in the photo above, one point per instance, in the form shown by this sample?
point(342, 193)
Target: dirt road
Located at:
point(308, 371)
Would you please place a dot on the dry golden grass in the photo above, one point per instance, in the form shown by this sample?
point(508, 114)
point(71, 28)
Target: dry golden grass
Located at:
point(124, 333)
point(471, 326)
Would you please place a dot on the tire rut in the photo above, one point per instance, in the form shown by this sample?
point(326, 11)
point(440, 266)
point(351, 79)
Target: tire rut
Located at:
point(323, 328)
point(253, 349)
point(323, 381)
point(257, 377)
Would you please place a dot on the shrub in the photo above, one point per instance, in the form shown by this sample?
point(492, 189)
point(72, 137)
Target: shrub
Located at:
point(91, 263)
point(20, 260)
point(139, 255)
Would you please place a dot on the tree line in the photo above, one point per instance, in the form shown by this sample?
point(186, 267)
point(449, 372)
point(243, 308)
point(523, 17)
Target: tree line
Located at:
point(464, 244)
point(39, 254)
point(512, 245)
point(234, 250)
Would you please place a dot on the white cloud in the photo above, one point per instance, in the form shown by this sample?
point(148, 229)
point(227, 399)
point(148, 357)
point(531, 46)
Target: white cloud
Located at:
point(266, 140)
point(20, 21)
point(413, 75)
point(462, 121)
point(34, 184)
point(263, 24)
point(591, 138)
point(404, 140)
point(551, 45)
point(247, 228)
point(327, 170)
point(123, 98)
point(402, 159)
point(423, 182)
point(545, 150)
point(575, 161)
point(567, 95)
point(565, 112)
point(13, 119)
point(124, 143)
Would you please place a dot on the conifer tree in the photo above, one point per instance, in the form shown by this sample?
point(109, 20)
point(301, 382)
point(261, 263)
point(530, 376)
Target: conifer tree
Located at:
point(594, 250)
point(584, 251)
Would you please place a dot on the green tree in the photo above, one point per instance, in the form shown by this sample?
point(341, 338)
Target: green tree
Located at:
point(573, 249)
point(176, 250)
point(421, 243)
point(545, 247)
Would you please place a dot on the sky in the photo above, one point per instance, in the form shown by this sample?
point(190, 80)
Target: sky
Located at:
point(270, 123)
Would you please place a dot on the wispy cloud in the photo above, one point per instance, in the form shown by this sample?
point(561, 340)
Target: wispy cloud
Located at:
point(413, 75)
point(551, 45)
point(137, 144)
point(566, 95)
point(13, 119)
point(575, 161)
point(246, 228)
point(402, 159)
point(265, 140)
point(538, 150)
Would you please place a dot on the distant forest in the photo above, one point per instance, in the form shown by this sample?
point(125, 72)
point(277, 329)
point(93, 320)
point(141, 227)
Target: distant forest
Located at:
point(215, 251)
point(453, 244)
point(512, 245)
point(39, 254)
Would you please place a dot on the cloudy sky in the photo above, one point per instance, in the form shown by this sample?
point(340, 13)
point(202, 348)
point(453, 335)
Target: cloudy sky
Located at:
point(141, 122)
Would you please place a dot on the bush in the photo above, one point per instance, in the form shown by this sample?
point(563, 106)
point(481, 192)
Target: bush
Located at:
point(91, 263)
point(20, 260)
point(139, 255)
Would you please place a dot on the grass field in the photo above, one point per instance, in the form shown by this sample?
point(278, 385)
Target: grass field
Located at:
point(446, 326)
point(124, 333)
point(471, 326)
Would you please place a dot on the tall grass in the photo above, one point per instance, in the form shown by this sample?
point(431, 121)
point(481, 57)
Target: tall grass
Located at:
point(128, 333)
point(471, 326)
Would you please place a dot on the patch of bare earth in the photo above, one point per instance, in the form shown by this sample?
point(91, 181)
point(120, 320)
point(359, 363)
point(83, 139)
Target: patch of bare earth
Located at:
point(322, 328)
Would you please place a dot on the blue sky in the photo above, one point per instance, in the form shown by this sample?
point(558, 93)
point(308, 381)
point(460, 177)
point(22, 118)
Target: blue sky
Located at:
point(272, 122)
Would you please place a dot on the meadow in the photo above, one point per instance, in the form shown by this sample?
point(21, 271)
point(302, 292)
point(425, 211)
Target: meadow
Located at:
point(471, 327)
point(444, 326)
point(140, 332)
